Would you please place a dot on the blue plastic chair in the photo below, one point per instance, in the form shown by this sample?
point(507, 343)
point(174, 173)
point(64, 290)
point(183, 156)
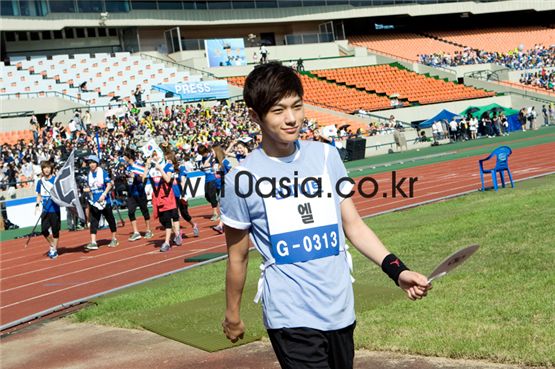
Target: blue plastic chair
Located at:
point(502, 154)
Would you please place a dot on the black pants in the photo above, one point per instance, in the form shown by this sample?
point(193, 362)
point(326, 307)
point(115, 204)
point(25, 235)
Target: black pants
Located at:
point(167, 218)
point(307, 348)
point(183, 209)
point(95, 214)
point(134, 202)
point(211, 193)
point(50, 220)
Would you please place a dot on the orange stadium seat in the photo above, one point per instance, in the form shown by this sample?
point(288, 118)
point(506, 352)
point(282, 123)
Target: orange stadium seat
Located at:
point(500, 39)
point(334, 96)
point(410, 86)
point(404, 45)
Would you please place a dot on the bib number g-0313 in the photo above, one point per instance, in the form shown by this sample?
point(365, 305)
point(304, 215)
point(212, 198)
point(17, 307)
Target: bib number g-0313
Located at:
point(304, 245)
point(302, 228)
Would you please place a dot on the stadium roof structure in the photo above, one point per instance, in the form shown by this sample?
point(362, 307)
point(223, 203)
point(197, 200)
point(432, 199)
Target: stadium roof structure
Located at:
point(268, 14)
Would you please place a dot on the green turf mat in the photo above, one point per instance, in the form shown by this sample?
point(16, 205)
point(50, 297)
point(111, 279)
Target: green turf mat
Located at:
point(204, 257)
point(197, 322)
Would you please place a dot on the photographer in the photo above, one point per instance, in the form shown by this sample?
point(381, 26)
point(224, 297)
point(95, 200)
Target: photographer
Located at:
point(136, 195)
point(98, 187)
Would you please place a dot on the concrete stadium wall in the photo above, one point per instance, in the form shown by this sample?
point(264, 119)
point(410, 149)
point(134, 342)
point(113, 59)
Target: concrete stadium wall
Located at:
point(197, 58)
point(152, 38)
point(14, 124)
point(53, 47)
point(39, 105)
point(340, 62)
point(42, 105)
point(441, 73)
point(462, 70)
point(451, 73)
point(281, 52)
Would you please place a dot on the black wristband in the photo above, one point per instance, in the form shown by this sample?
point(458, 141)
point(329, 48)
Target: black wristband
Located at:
point(393, 267)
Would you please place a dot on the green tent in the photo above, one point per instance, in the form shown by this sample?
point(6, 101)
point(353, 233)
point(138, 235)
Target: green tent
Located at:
point(478, 111)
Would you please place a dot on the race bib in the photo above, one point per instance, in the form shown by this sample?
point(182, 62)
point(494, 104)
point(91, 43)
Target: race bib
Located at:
point(303, 228)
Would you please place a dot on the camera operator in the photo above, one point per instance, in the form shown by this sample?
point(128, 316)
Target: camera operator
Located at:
point(98, 187)
point(136, 195)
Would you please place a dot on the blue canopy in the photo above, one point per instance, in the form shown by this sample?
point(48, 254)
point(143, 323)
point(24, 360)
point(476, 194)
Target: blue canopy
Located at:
point(514, 124)
point(444, 114)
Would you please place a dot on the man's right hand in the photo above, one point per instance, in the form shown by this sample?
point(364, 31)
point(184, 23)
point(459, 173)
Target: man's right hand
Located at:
point(234, 331)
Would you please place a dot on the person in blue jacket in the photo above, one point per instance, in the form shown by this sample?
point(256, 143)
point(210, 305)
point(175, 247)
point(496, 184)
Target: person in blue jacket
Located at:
point(136, 195)
point(99, 185)
point(50, 215)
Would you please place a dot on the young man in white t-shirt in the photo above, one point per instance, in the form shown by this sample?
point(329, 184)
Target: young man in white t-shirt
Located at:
point(300, 228)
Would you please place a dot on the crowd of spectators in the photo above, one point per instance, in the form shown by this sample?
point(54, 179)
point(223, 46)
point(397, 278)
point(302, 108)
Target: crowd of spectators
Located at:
point(544, 79)
point(490, 124)
point(539, 56)
point(183, 127)
point(470, 127)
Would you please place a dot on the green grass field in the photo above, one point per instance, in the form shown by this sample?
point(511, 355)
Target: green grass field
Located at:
point(499, 306)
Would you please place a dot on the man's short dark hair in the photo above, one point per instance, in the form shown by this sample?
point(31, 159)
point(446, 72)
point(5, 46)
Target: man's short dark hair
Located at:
point(269, 83)
point(46, 163)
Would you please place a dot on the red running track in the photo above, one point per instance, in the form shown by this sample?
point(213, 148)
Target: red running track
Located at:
point(31, 283)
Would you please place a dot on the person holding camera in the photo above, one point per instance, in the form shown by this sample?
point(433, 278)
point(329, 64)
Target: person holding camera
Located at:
point(138, 95)
point(50, 216)
point(99, 185)
point(136, 195)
